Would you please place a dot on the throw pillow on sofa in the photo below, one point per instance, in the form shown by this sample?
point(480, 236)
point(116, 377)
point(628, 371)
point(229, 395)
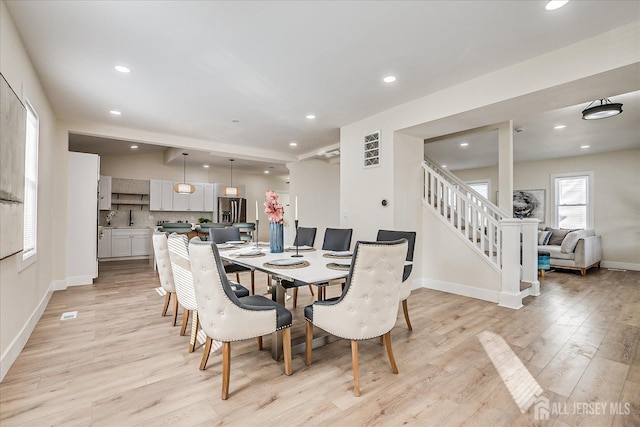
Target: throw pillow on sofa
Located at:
point(543, 237)
point(571, 240)
point(557, 236)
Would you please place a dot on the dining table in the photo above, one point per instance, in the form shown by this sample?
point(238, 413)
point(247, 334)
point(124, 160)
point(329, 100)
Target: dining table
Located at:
point(312, 266)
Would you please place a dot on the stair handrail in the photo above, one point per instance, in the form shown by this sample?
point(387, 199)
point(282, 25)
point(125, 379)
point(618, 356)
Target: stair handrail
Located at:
point(494, 210)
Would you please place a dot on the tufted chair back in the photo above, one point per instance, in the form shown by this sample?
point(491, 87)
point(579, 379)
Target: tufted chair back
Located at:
point(221, 313)
point(387, 235)
point(221, 235)
point(181, 267)
point(161, 252)
point(368, 306)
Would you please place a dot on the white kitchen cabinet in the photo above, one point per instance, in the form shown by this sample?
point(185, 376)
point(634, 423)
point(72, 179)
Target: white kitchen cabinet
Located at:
point(104, 244)
point(189, 202)
point(208, 198)
point(160, 195)
point(104, 193)
point(127, 242)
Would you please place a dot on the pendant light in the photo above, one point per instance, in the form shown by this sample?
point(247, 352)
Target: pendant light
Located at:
point(183, 187)
point(602, 111)
point(231, 190)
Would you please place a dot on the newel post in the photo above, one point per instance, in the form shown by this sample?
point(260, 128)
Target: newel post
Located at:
point(510, 295)
point(530, 254)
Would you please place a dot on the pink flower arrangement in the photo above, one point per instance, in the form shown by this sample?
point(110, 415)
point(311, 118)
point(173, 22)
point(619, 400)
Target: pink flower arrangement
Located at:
point(273, 209)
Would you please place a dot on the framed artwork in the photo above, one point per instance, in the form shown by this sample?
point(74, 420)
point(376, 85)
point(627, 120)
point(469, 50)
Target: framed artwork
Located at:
point(529, 204)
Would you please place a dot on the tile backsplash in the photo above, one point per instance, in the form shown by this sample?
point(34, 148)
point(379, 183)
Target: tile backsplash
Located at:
point(146, 218)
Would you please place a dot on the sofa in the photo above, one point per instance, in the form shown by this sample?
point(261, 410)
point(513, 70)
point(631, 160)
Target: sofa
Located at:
point(571, 249)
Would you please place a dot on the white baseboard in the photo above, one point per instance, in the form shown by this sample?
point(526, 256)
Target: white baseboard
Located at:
point(620, 265)
point(79, 280)
point(16, 346)
point(464, 290)
point(59, 285)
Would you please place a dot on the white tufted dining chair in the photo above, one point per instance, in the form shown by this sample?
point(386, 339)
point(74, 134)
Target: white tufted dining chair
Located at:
point(183, 279)
point(368, 305)
point(161, 252)
point(227, 318)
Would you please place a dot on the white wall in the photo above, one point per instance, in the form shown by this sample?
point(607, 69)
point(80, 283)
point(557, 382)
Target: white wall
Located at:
point(316, 183)
point(616, 197)
point(24, 294)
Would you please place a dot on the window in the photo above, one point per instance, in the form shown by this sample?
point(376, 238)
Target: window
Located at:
point(573, 200)
point(481, 187)
point(30, 186)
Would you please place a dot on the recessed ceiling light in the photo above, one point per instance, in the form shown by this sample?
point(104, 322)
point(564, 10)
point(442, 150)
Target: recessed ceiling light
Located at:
point(266, 171)
point(311, 116)
point(389, 79)
point(555, 4)
point(444, 166)
point(122, 69)
point(464, 144)
point(134, 147)
point(293, 144)
point(235, 121)
point(205, 166)
point(115, 113)
point(560, 127)
point(584, 146)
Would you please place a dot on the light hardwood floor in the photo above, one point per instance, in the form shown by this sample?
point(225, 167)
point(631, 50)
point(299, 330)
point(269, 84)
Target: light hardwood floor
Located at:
point(120, 363)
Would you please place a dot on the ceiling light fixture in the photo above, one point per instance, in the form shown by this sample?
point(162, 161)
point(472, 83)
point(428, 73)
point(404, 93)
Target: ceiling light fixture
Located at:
point(134, 147)
point(205, 166)
point(266, 171)
point(555, 4)
point(560, 127)
point(464, 144)
point(122, 69)
point(183, 187)
point(310, 116)
point(115, 113)
point(293, 144)
point(584, 146)
point(602, 111)
point(389, 79)
point(231, 190)
point(444, 166)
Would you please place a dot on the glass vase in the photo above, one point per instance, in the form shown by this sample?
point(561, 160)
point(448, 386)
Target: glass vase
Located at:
point(276, 237)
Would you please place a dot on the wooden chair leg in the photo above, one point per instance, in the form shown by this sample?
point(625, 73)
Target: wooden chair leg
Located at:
point(238, 277)
point(405, 309)
point(308, 343)
point(175, 308)
point(387, 343)
point(583, 271)
point(354, 362)
point(205, 355)
point(185, 320)
point(381, 340)
point(253, 282)
point(226, 368)
point(195, 323)
point(259, 343)
point(286, 350)
point(311, 290)
point(167, 297)
point(295, 297)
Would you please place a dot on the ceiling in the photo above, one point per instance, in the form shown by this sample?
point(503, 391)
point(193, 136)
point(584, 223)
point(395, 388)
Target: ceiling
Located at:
point(245, 74)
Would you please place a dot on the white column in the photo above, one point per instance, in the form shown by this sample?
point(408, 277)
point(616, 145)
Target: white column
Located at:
point(510, 295)
point(530, 254)
point(505, 167)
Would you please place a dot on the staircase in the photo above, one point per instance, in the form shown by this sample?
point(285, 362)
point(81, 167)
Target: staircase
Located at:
point(509, 245)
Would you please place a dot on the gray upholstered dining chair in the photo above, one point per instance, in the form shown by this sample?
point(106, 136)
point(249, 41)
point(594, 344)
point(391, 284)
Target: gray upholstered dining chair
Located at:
point(225, 317)
point(232, 234)
point(183, 278)
point(305, 236)
point(368, 306)
point(246, 230)
point(202, 230)
point(405, 289)
point(161, 252)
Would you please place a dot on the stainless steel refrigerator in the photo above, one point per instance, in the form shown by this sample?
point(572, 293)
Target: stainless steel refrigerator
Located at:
point(232, 210)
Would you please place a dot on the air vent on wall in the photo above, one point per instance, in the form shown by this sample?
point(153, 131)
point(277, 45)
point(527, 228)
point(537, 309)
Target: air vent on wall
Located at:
point(372, 149)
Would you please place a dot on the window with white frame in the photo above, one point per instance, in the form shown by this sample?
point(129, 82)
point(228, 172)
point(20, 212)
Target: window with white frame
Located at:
point(573, 200)
point(30, 185)
point(480, 187)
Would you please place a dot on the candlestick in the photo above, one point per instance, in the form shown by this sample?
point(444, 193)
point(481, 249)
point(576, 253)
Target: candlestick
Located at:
point(257, 234)
point(296, 215)
point(256, 211)
point(297, 255)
